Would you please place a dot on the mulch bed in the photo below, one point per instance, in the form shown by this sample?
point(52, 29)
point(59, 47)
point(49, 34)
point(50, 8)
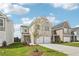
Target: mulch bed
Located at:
point(39, 53)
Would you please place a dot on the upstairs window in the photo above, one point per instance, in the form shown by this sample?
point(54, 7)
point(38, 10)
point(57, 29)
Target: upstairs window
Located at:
point(65, 30)
point(46, 28)
point(1, 22)
point(38, 26)
point(25, 30)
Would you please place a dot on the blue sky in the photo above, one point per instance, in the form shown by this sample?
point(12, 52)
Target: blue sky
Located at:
point(24, 13)
point(60, 13)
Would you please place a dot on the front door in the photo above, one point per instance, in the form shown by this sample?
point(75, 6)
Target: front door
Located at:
point(27, 39)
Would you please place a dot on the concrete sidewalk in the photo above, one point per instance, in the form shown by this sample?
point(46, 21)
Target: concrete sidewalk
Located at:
point(69, 50)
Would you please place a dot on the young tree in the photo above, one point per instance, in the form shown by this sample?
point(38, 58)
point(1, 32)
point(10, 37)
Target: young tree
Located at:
point(36, 33)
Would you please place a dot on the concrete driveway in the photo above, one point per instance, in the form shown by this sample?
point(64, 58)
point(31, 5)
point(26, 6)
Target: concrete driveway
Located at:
point(69, 50)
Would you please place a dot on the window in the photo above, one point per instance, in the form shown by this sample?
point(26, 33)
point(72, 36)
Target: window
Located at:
point(38, 26)
point(1, 22)
point(77, 33)
point(25, 30)
point(46, 28)
point(65, 30)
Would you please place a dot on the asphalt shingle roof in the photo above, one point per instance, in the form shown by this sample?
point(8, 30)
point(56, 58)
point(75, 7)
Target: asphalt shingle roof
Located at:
point(60, 25)
point(75, 29)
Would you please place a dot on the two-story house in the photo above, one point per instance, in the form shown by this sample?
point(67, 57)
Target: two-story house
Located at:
point(75, 32)
point(6, 29)
point(61, 32)
point(25, 36)
point(39, 31)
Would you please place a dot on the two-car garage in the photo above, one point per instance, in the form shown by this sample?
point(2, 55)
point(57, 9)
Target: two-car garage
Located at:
point(43, 40)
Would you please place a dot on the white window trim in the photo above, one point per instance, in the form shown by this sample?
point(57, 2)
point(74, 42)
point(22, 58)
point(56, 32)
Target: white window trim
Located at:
point(46, 28)
point(65, 30)
point(3, 22)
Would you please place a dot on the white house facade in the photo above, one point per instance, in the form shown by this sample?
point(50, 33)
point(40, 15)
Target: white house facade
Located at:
point(76, 33)
point(6, 29)
point(39, 31)
point(25, 36)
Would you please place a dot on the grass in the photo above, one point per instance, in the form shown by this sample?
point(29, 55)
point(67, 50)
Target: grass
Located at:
point(18, 49)
point(76, 44)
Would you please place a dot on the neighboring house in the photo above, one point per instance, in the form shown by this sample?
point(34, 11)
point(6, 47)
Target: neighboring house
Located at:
point(75, 34)
point(6, 29)
point(39, 31)
point(61, 32)
point(25, 36)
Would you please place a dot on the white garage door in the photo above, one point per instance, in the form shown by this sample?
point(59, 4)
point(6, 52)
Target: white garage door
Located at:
point(44, 40)
point(47, 40)
point(66, 39)
point(77, 37)
point(39, 40)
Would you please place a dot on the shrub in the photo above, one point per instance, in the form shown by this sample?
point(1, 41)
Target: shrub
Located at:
point(35, 50)
point(61, 42)
point(15, 45)
point(4, 44)
point(25, 43)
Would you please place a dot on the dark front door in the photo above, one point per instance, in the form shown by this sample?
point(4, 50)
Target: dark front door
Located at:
point(27, 39)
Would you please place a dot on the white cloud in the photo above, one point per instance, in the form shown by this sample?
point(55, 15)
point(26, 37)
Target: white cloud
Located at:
point(13, 8)
point(66, 6)
point(17, 26)
point(9, 15)
point(19, 9)
point(27, 21)
point(51, 14)
point(77, 26)
point(53, 20)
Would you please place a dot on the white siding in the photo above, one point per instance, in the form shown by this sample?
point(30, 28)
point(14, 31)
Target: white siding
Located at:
point(66, 39)
point(78, 38)
point(77, 34)
point(2, 37)
point(7, 34)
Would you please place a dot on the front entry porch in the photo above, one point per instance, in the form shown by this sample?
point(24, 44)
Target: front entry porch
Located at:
point(27, 39)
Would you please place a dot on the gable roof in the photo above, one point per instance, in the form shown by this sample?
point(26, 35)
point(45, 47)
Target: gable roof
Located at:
point(61, 25)
point(24, 26)
point(5, 16)
point(75, 29)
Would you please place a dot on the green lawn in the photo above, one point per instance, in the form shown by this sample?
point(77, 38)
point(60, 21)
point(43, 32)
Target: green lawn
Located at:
point(76, 44)
point(18, 49)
